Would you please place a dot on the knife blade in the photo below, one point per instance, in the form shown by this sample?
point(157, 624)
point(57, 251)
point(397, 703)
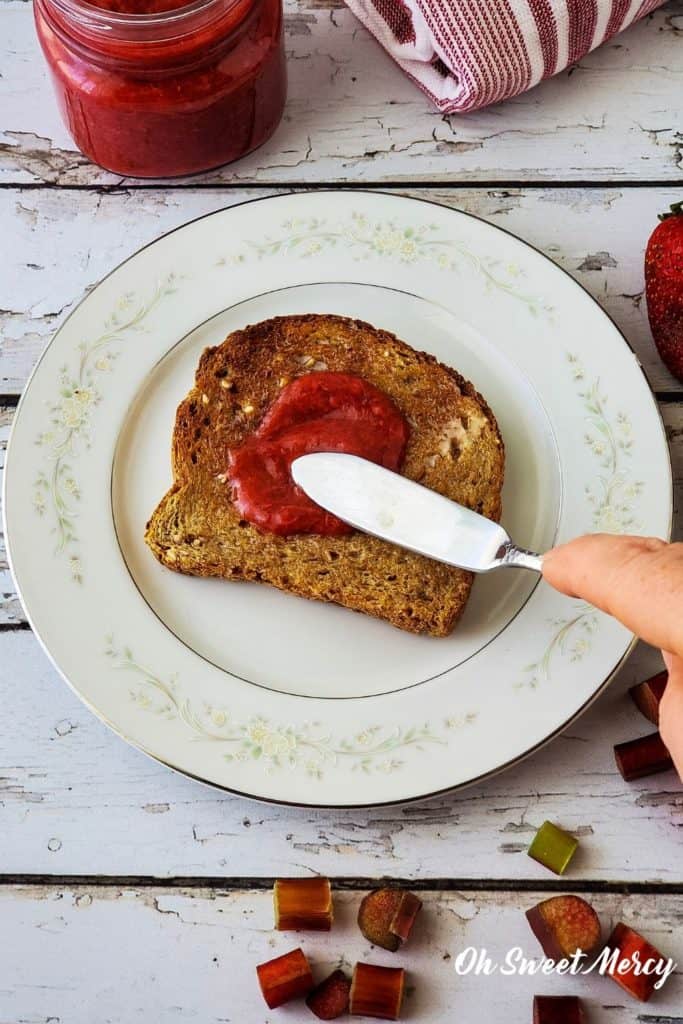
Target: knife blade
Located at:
point(389, 506)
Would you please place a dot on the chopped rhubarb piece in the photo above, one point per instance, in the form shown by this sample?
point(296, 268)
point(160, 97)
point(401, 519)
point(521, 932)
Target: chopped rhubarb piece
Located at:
point(634, 948)
point(558, 1010)
point(330, 998)
point(563, 925)
point(303, 903)
point(377, 991)
point(646, 696)
point(404, 918)
point(386, 917)
point(284, 978)
point(553, 847)
point(645, 756)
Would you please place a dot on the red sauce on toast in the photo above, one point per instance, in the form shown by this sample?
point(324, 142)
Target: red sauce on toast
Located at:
point(319, 412)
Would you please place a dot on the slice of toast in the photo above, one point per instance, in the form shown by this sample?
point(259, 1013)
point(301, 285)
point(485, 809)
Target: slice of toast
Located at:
point(454, 447)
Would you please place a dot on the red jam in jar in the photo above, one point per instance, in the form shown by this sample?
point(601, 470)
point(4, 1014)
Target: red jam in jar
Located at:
point(160, 88)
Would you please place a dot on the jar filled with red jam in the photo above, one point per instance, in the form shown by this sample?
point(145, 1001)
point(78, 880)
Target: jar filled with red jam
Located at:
point(160, 88)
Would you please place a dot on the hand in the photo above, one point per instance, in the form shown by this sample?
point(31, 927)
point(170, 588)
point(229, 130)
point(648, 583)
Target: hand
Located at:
point(638, 580)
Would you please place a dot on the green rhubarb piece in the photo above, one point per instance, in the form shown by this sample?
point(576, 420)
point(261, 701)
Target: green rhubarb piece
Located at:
point(553, 847)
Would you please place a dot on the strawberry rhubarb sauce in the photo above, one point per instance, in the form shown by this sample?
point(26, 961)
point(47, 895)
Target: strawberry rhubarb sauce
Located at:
point(160, 88)
point(319, 412)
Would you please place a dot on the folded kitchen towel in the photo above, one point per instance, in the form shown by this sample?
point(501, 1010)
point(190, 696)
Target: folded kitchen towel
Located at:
point(466, 54)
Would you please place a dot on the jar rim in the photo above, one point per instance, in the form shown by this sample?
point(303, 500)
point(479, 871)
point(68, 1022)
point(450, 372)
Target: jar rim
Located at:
point(104, 19)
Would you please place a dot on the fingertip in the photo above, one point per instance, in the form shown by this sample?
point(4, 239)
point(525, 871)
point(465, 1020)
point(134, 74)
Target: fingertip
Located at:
point(558, 567)
point(569, 550)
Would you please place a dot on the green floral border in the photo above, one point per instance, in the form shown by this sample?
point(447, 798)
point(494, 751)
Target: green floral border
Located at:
point(611, 501)
point(57, 490)
point(308, 747)
point(368, 239)
point(572, 638)
point(612, 496)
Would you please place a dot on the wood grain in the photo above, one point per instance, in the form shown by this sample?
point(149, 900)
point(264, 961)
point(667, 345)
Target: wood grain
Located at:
point(352, 116)
point(85, 954)
point(76, 800)
point(59, 243)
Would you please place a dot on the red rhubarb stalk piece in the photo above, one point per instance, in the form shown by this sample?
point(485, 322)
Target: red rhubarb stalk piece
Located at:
point(563, 925)
point(303, 903)
point(558, 1010)
point(284, 978)
point(645, 756)
point(330, 999)
point(404, 918)
point(386, 917)
point(647, 695)
point(633, 947)
point(377, 991)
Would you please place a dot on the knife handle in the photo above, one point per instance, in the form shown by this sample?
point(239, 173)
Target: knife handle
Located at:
point(510, 556)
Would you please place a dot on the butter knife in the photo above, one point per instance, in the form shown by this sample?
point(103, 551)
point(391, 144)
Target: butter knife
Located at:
point(390, 506)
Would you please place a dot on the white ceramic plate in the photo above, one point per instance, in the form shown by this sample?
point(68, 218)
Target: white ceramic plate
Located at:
point(267, 694)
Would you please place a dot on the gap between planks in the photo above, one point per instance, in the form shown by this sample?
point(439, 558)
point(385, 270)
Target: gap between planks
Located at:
point(662, 397)
point(499, 184)
point(346, 884)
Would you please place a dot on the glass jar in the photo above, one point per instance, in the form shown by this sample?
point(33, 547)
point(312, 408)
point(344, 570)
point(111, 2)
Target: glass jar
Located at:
point(159, 88)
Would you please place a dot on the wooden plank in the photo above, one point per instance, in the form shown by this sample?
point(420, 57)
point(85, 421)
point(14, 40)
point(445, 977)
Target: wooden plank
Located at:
point(353, 116)
point(11, 612)
point(60, 243)
point(83, 954)
point(76, 800)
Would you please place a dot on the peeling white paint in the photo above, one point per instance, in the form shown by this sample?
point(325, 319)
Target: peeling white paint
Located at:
point(95, 954)
point(115, 812)
point(352, 114)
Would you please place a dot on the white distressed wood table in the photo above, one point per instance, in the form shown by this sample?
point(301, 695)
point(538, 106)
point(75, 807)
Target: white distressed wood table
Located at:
point(128, 893)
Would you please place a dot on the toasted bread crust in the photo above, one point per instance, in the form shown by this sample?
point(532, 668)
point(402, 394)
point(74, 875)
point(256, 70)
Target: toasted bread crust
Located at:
point(455, 448)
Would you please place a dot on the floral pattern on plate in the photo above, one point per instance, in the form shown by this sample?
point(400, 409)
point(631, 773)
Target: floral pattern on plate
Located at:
point(308, 747)
point(58, 491)
point(378, 239)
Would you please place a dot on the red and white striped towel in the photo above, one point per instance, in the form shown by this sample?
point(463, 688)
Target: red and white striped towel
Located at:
point(466, 54)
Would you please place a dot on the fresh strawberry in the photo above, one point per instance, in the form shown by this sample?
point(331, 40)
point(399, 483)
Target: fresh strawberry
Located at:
point(664, 288)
